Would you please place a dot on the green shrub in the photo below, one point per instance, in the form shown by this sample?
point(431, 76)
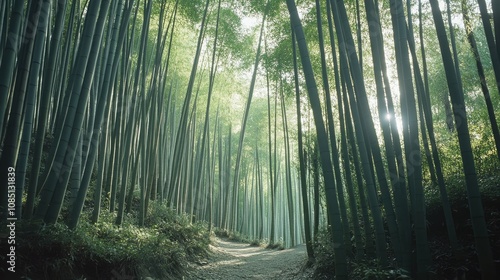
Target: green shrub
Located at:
point(255, 243)
point(324, 266)
point(231, 235)
point(103, 250)
point(276, 245)
point(222, 233)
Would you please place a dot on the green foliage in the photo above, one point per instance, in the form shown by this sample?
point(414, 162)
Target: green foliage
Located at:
point(231, 235)
point(223, 233)
point(232, 44)
point(255, 243)
point(161, 250)
point(191, 237)
point(370, 271)
point(238, 237)
point(276, 245)
point(324, 266)
point(259, 6)
point(192, 10)
point(456, 187)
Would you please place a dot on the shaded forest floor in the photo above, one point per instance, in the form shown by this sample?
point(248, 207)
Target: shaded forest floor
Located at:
point(234, 260)
point(464, 262)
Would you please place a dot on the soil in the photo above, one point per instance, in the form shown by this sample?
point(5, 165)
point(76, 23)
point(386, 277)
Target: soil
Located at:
point(232, 260)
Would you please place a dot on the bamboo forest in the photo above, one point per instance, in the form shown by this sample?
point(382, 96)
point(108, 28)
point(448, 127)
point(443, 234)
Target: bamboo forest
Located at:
point(255, 139)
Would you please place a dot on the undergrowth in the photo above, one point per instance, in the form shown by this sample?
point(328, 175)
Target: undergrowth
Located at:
point(324, 266)
point(276, 245)
point(161, 249)
point(445, 264)
point(255, 242)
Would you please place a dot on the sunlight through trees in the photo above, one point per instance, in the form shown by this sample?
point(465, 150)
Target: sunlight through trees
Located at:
point(339, 124)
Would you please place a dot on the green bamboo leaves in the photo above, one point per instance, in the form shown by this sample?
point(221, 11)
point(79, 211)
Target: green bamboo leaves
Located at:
point(108, 106)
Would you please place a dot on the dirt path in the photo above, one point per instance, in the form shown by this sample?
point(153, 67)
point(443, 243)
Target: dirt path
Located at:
point(232, 260)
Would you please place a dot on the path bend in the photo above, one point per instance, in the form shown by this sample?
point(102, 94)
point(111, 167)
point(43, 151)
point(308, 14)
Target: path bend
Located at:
point(232, 260)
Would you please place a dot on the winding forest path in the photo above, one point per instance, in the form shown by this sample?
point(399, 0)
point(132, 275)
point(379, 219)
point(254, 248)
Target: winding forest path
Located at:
point(231, 260)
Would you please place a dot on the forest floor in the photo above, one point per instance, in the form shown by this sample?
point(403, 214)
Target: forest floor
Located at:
point(234, 260)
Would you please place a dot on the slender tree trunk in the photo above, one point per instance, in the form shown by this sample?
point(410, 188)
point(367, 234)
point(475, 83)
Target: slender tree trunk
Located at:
point(482, 78)
point(481, 237)
point(492, 46)
point(288, 178)
point(332, 204)
point(303, 183)
point(181, 131)
point(331, 131)
point(272, 181)
point(411, 138)
point(54, 188)
point(9, 58)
